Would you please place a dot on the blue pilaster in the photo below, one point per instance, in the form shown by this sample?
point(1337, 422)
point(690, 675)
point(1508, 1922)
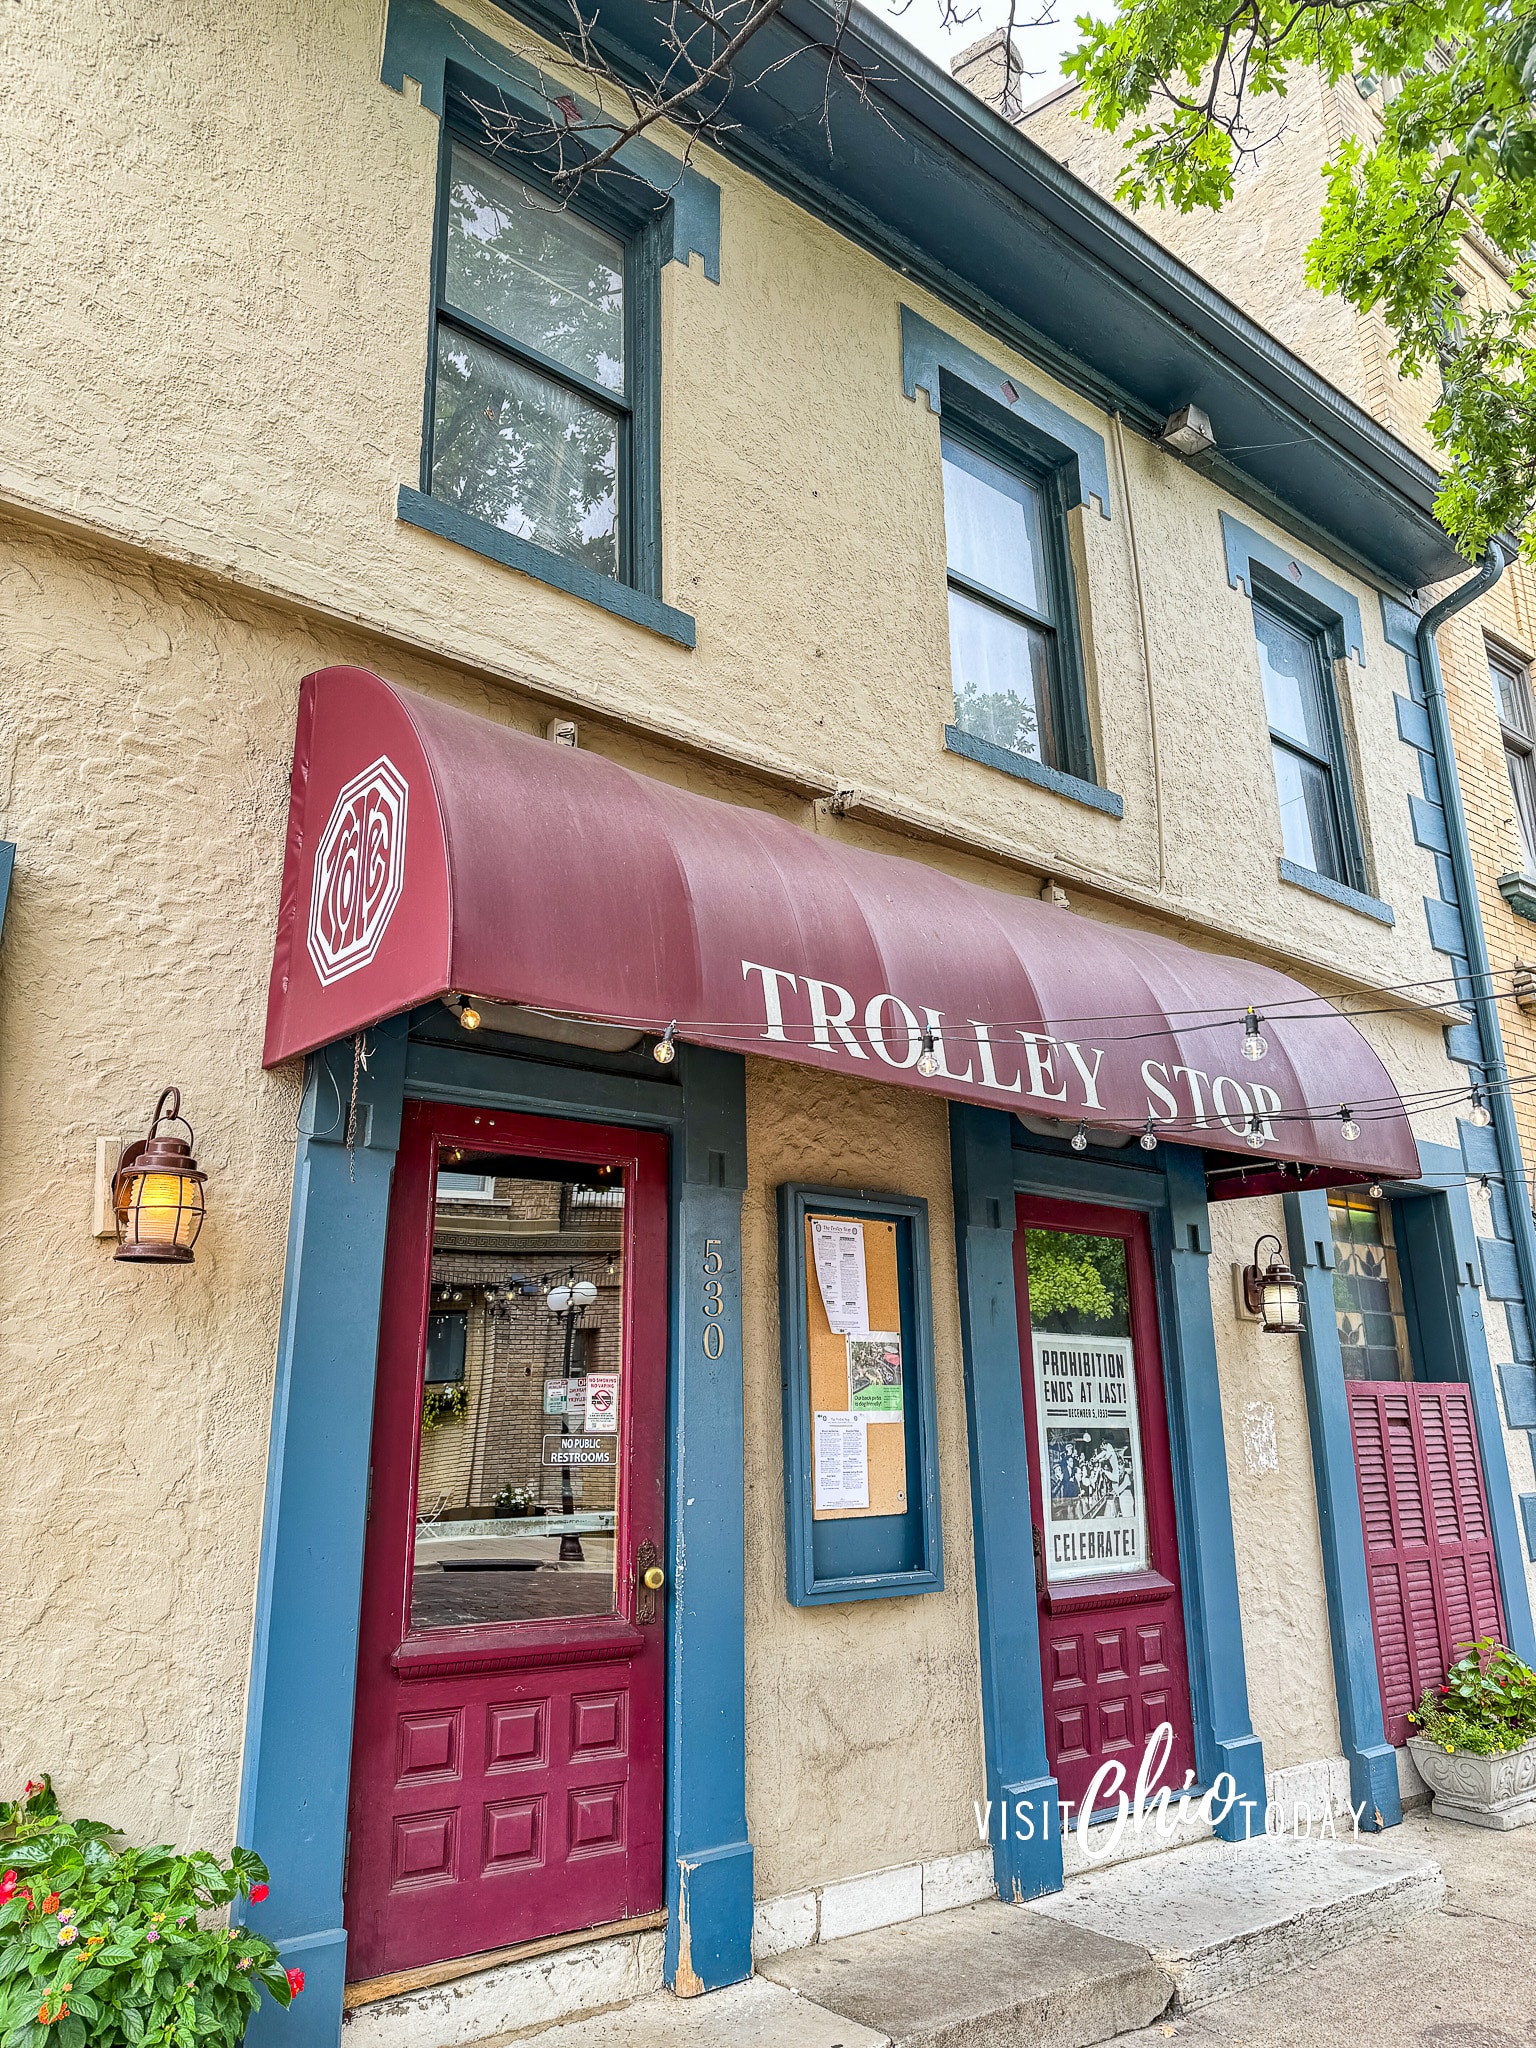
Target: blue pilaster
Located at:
point(1218, 1670)
point(298, 1736)
point(709, 1864)
point(1026, 1864)
point(1362, 1733)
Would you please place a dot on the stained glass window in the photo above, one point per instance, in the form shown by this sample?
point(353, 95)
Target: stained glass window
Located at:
point(1367, 1292)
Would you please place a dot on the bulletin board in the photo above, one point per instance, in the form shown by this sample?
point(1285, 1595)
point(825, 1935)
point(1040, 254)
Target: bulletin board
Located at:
point(860, 1462)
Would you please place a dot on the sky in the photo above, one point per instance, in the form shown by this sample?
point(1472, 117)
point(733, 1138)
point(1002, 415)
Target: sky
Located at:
point(1041, 49)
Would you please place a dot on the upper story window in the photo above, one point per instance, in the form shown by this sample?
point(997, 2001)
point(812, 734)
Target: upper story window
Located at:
point(1307, 746)
point(538, 353)
point(1512, 689)
point(1013, 654)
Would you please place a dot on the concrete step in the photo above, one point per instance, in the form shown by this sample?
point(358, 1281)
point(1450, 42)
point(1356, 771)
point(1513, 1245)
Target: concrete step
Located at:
point(984, 1976)
point(1222, 1917)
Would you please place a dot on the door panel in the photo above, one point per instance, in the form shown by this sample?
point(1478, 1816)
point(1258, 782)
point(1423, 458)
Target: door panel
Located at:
point(1101, 1484)
point(1428, 1544)
point(507, 1757)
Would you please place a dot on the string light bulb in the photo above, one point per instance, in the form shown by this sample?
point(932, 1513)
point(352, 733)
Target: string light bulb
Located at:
point(469, 1016)
point(664, 1051)
point(928, 1059)
point(1148, 1138)
point(1349, 1130)
point(1255, 1044)
point(1080, 1138)
point(1256, 1131)
point(1375, 1191)
point(1481, 1115)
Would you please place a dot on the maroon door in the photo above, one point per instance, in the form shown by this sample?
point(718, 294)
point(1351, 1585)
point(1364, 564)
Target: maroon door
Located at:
point(1428, 1541)
point(507, 1756)
point(1101, 1483)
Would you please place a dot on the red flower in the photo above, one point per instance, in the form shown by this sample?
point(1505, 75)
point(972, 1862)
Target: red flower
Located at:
point(295, 1982)
point(258, 1893)
point(50, 1902)
point(7, 1887)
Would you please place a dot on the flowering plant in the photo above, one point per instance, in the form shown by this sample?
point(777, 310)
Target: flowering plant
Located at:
point(109, 1946)
point(1485, 1707)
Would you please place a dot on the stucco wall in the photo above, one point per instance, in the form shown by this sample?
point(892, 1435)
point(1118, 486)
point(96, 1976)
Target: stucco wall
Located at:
point(863, 1720)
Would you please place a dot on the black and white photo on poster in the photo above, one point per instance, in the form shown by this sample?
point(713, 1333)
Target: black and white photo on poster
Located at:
point(1090, 1455)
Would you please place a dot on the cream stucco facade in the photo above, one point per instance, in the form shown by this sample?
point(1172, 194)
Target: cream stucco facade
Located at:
point(218, 257)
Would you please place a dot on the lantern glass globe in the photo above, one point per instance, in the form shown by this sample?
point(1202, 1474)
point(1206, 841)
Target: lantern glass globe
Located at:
point(584, 1293)
point(558, 1300)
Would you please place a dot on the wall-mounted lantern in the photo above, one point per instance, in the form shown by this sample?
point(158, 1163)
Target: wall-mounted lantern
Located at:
point(1272, 1292)
point(157, 1192)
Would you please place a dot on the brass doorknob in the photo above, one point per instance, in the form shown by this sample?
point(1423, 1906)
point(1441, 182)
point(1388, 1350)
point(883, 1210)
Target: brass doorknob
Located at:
point(653, 1578)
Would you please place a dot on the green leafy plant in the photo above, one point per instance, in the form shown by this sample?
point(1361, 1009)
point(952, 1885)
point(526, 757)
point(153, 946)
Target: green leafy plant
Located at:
point(515, 1500)
point(118, 1947)
point(444, 1404)
point(1486, 1705)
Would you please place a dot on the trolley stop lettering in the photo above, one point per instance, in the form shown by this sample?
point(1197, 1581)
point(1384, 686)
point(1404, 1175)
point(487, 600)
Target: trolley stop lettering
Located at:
point(1033, 1066)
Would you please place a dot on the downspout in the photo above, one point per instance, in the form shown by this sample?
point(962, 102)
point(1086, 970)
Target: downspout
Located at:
point(1484, 1003)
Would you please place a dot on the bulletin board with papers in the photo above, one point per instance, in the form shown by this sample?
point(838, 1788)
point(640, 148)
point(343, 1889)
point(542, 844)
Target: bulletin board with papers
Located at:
point(861, 1478)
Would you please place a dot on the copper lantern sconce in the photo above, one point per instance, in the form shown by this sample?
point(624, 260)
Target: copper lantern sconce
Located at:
point(1272, 1292)
point(157, 1192)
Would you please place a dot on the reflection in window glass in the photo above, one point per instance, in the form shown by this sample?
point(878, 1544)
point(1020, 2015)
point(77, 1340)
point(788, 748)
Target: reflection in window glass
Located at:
point(1367, 1291)
point(1002, 677)
point(523, 1398)
point(515, 449)
point(992, 527)
point(1301, 745)
point(524, 263)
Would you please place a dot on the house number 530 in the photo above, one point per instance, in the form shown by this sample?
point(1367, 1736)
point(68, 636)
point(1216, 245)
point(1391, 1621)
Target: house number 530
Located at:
point(714, 1300)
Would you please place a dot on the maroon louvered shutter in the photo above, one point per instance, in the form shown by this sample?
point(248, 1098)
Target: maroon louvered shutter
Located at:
point(1428, 1541)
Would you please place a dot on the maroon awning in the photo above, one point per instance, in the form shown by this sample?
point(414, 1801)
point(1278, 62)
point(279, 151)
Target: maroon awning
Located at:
point(430, 851)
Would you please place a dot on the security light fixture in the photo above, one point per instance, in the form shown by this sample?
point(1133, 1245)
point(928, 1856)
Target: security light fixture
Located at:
point(157, 1192)
point(1272, 1292)
point(1188, 431)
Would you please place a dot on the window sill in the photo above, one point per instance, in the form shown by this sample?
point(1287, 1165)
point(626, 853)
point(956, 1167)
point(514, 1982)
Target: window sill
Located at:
point(1337, 892)
point(431, 515)
point(1007, 762)
point(1519, 891)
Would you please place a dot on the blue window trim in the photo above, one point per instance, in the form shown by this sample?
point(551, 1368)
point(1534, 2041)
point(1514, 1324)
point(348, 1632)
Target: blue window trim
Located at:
point(1336, 892)
point(994, 1159)
point(927, 351)
point(1245, 547)
point(293, 1798)
point(1073, 787)
point(422, 39)
point(447, 522)
point(7, 867)
point(802, 1585)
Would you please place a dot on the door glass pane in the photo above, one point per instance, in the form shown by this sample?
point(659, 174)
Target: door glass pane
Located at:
point(1002, 678)
point(524, 453)
point(1308, 828)
point(1086, 1408)
point(992, 525)
point(1293, 682)
point(1367, 1292)
point(523, 1397)
point(522, 262)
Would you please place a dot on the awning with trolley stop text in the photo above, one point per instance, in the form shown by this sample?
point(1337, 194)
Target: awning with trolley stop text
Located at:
point(432, 853)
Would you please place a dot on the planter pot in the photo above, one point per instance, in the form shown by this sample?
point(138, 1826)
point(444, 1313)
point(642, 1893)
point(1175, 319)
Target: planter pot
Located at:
point(1488, 1791)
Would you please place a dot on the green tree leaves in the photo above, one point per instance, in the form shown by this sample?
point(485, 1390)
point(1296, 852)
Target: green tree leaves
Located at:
point(1450, 152)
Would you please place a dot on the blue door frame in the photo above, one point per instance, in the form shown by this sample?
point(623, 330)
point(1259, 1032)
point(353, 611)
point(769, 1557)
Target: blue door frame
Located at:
point(994, 1159)
point(1438, 1260)
point(293, 1800)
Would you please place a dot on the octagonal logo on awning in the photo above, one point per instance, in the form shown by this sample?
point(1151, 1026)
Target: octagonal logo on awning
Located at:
point(359, 872)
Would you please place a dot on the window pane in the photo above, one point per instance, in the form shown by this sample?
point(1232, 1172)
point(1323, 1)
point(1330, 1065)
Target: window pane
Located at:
point(1308, 828)
point(1086, 1409)
point(525, 454)
point(1522, 782)
point(1512, 688)
point(518, 1463)
point(992, 524)
point(1293, 683)
point(521, 261)
point(1367, 1293)
point(1002, 678)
